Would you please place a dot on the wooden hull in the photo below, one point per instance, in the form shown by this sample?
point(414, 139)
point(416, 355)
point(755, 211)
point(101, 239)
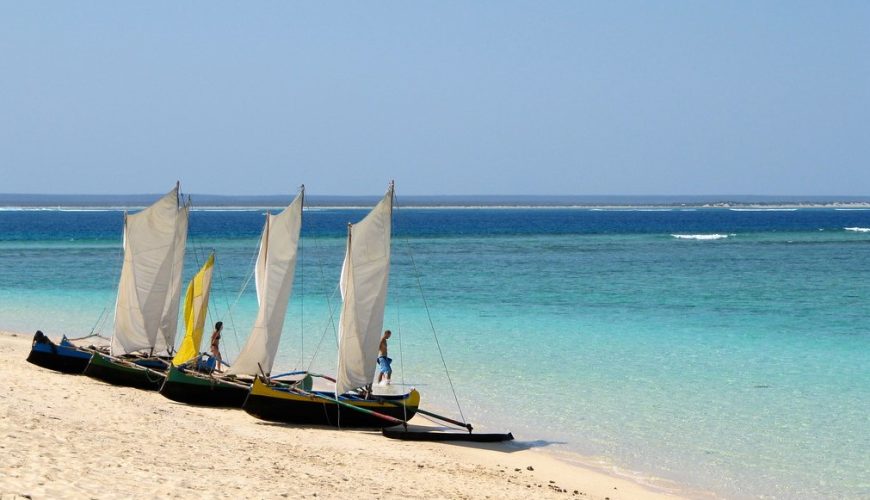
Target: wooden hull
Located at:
point(65, 357)
point(203, 390)
point(316, 408)
point(130, 373)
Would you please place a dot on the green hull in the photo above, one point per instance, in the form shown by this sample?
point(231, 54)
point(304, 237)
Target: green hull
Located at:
point(128, 373)
point(204, 390)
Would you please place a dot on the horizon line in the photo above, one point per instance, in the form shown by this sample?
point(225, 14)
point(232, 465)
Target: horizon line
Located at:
point(206, 201)
point(472, 195)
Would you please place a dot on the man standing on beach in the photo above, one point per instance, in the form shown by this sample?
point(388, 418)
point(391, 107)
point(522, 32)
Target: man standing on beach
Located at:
point(384, 361)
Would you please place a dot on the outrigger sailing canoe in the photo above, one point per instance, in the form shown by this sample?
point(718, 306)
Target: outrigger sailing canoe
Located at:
point(274, 271)
point(69, 357)
point(148, 372)
point(146, 310)
point(364, 278)
point(278, 403)
point(364, 289)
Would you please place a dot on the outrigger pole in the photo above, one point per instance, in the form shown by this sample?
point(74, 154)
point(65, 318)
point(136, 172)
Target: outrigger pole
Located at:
point(446, 419)
point(464, 425)
point(392, 420)
point(449, 420)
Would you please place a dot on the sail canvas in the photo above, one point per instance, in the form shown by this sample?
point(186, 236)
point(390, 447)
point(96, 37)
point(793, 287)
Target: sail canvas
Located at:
point(145, 315)
point(364, 277)
point(166, 333)
point(195, 311)
point(276, 266)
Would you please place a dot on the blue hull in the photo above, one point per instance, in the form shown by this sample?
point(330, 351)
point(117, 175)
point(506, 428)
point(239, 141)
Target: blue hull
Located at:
point(64, 357)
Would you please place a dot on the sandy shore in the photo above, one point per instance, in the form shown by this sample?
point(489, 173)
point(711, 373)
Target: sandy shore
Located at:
point(72, 436)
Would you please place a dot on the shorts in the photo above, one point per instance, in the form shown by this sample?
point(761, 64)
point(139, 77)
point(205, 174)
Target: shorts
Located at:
point(384, 365)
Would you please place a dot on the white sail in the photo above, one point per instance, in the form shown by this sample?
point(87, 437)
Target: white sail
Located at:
point(276, 267)
point(364, 277)
point(146, 311)
point(165, 340)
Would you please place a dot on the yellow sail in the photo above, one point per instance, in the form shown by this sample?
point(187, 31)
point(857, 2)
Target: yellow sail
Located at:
point(195, 308)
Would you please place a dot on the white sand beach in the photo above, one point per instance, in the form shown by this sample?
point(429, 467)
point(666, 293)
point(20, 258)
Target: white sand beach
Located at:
point(69, 436)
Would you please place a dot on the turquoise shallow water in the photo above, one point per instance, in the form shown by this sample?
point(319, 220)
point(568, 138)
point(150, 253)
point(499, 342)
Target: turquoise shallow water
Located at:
point(739, 365)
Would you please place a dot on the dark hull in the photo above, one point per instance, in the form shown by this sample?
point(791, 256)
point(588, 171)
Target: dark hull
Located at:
point(64, 358)
point(445, 436)
point(125, 373)
point(203, 390)
point(279, 406)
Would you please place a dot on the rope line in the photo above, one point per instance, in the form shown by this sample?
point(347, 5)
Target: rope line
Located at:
point(329, 322)
point(432, 325)
point(100, 324)
point(231, 307)
point(331, 319)
point(399, 332)
point(199, 253)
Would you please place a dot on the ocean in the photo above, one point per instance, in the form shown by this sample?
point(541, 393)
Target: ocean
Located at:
point(723, 349)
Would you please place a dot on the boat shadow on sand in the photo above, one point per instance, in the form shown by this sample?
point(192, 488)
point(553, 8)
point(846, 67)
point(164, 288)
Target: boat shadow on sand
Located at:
point(503, 446)
point(512, 446)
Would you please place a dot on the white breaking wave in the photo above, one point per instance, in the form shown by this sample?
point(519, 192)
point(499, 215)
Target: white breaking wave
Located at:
point(763, 209)
point(858, 229)
point(702, 237)
point(64, 209)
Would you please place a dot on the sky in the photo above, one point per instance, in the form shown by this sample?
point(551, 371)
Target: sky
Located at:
point(460, 98)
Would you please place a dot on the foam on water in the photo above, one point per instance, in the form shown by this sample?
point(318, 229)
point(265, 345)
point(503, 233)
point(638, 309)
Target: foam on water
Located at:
point(763, 209)
point(701, 237)
point(63, 209)
point(858, 229)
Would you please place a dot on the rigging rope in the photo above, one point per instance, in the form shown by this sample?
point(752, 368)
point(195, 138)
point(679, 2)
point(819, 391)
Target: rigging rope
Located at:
point(401, 355)
point(199, 252)
point(399, 333)
point(331, 319)
point(104, 316)
point(432, 325)
point(231, 307)
point(329, 322)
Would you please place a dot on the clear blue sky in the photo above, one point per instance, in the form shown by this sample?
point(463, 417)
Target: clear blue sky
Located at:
point(483, 97)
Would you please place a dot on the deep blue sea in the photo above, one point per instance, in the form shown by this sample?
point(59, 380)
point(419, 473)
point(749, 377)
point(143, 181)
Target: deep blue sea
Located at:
point(726, 350)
